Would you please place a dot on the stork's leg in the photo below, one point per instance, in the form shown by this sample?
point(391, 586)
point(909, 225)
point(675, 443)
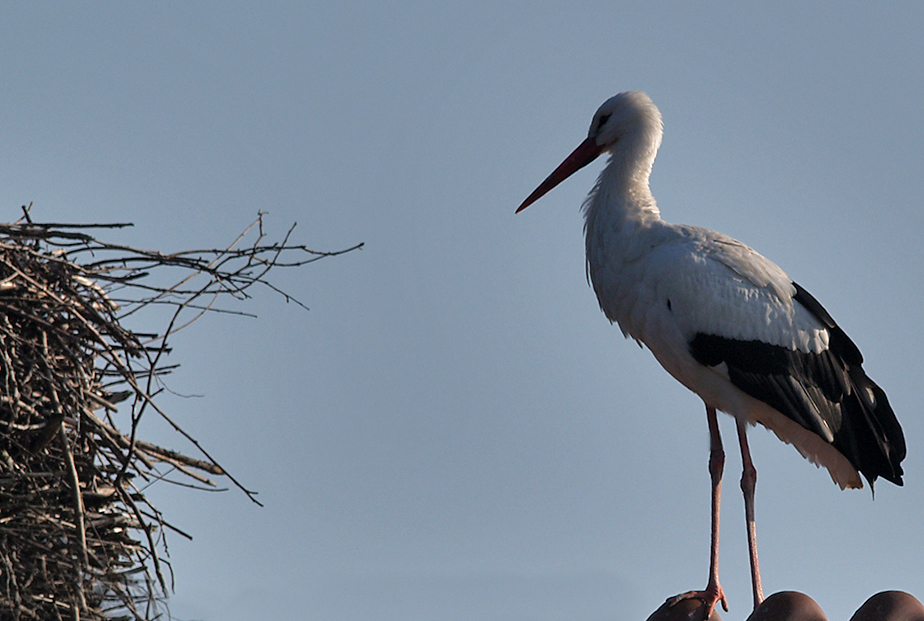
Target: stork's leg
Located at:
point(713, 592)
point(748, 482)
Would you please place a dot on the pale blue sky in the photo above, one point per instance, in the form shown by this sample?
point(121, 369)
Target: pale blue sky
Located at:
point(454, 431)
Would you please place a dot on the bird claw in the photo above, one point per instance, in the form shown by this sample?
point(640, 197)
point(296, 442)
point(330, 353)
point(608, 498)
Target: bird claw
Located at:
point(709, 597)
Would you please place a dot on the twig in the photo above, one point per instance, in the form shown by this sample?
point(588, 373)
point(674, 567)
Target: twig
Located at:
point(80, 515)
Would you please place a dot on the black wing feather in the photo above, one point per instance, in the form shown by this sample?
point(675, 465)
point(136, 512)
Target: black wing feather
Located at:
point(828, 393)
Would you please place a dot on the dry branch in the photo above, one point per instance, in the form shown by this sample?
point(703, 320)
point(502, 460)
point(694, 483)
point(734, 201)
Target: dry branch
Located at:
point(78, 537)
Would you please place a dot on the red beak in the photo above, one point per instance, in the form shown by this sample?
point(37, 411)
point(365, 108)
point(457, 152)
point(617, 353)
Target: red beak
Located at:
point(586, 152)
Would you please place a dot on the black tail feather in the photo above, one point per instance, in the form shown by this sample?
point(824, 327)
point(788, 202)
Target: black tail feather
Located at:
point(870, 435)
point(872, 438)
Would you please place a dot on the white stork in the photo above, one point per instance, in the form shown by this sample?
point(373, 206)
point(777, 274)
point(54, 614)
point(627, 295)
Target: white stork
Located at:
point(727, 323)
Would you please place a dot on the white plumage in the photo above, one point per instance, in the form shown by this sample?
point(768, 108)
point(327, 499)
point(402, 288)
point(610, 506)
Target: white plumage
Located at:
point(725, 321)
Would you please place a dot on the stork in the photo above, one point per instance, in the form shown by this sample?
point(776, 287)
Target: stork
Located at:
point(725, 322)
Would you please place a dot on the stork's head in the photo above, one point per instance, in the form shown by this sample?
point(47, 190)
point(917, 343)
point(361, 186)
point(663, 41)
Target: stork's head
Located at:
point(628, 126)
point(628, 120)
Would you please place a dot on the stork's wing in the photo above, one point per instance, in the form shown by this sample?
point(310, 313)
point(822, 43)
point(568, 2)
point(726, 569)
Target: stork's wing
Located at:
point(822, 387)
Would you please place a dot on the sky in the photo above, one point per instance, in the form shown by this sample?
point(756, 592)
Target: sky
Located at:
point(453, 430)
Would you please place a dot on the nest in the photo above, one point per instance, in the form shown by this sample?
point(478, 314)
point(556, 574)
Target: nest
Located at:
point(78, 537)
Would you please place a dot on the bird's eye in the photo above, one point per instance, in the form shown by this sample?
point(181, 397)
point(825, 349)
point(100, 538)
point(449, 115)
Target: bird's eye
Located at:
point(603, 119)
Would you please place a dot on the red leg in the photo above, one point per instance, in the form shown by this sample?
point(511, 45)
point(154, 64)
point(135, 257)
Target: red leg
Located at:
point(748, 483)
point(713, 592)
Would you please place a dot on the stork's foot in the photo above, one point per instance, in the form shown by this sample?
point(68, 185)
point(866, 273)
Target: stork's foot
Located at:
point(710, 597)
